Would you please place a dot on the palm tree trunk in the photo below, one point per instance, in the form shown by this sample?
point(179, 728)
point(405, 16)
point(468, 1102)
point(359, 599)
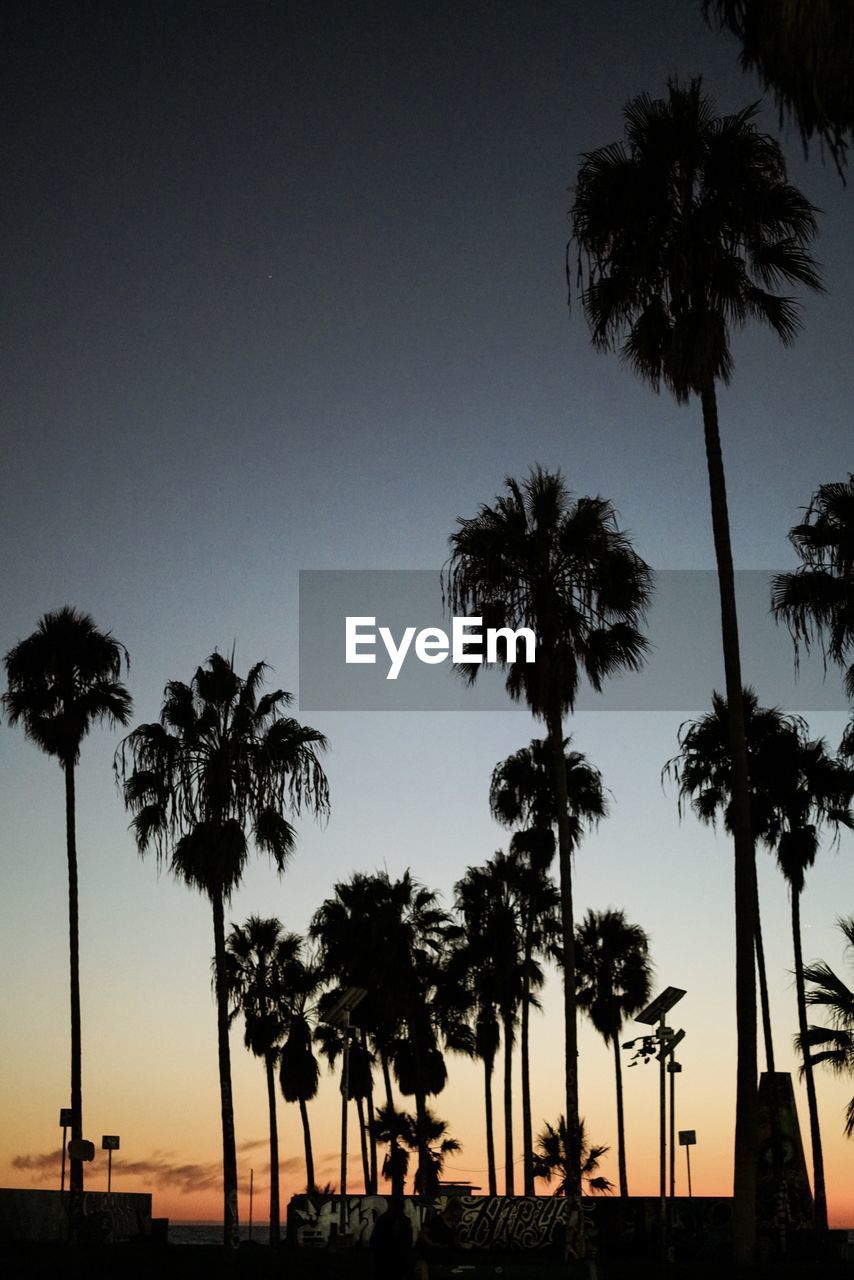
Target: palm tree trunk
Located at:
point(309, 1158)
point(564, 843)
point(744, 1188)
point(490, 1136)
point(363, 1143)
point(621, 1125)
point(763, 983)
point(507, 1019)
point(527, 1128)
point(231, 1222)
point(76, 1166)
point(819, 1193)
point(389, 1097)
point(372, 1138)
point(275, 1231)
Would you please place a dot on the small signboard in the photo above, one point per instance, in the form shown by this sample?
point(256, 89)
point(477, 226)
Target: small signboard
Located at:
point(80, 1149)
point(110, 1142)
point(65, 1117)
point(687, 1137)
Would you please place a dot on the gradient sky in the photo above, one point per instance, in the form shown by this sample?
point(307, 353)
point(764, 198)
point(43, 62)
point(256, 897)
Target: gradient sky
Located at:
point(285, 289)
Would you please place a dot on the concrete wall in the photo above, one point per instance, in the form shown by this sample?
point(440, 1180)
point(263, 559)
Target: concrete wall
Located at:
point(39, 1216)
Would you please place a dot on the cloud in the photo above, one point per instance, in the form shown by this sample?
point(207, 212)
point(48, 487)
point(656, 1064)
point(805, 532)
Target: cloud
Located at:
point(161, 1168)
point(251, 1144)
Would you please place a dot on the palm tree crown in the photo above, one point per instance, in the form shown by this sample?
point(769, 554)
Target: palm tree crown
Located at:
point(817, 599)
point(689, 227)
point(64, 678)
point(833, 1047)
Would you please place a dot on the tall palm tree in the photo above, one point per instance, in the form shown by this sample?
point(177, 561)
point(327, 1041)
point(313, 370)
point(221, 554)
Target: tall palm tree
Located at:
point(804, 54)
point(522, 794)
point(832, 1047)
point(562, 567)
point(817, 599)
point(492, 928)
point(686, 228)
point(613, 976)
point(299, 1072)
point(258, 955)
point(63, 679)
point(215, 774)
point(359, 1078)
point(796, 787)
point(550, 1159)
point(703, 771)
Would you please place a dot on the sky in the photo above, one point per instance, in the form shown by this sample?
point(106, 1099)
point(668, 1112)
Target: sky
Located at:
point(285, 290)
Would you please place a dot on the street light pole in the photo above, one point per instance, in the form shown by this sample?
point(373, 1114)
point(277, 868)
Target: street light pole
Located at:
point(345, 1089)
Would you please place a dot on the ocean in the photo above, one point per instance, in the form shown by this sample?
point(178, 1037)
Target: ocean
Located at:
point(211, 1232)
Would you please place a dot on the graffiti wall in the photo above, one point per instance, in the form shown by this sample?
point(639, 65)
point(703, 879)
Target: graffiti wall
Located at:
point(700, 1227)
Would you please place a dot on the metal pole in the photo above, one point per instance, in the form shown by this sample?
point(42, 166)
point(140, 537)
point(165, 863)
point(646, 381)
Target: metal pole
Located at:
point(688, 1158)
point(662, 1130)
point(251, 1194)
point(345, 1089)
point(109, 1171)
point(62, 1175)
point(672, 1069)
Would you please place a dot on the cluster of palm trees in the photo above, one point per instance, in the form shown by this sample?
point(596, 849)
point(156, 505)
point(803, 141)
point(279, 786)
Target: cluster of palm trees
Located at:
point(686, 229)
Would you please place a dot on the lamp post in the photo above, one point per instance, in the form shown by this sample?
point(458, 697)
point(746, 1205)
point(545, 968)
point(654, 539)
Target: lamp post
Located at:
point(656, 1013)
point(110, 1143)
point(65, 1125)
point(339, 1016)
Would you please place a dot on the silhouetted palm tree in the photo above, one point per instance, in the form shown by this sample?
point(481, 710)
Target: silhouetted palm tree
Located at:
point(687, 228)
point(561, 566)
point(550, 1159)
point(63, 679)
point(257, 954)
point(493, 935)
point(817, 600)
point(219, 771)
point(391, 1129)
point(299, 1072)
point(804, 54)
point(522, 794)
point(613, 976)
point(359, 1077)
point(795, 788)
point(832, 1047)
point(389, 938)
point(703, 770)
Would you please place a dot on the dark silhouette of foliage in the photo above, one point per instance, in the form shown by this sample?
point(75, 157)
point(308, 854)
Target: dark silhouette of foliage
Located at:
point(62, 680)
point(613, 976)
point(550, 1160)
point(215, 774)
point(686, 230)
point(561, 566)
point(817, 599)
point(832, 1047)
point(803, 53)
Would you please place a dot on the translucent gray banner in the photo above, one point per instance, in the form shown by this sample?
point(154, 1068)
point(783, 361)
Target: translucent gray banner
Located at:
point(683, 625)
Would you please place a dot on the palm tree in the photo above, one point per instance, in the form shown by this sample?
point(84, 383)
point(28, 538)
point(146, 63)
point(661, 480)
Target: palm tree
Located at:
point(257, 956)
point(803, 53)
point(550, 1159)
point(522, 794)
point(299, 1072)
point(796, 787)
point(63, 679)
point(391, 1129)
point(687, 228)
point(359, 1077)
point(389, 938)
point(613, 976)
point(492, 928)
point(832, 1047)
point(429, 1132)
point(561, 566)
point(817, 600)
point(703, 771)
point(217, 772)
